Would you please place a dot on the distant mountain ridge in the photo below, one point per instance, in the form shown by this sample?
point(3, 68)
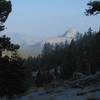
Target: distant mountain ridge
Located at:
point(67, 36)
point(35, 49)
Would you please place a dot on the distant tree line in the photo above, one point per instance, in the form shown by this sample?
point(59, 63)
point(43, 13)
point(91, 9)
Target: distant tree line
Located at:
point(81, 55)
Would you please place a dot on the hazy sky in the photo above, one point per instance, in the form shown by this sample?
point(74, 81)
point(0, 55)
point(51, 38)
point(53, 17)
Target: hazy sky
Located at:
point(35, 20)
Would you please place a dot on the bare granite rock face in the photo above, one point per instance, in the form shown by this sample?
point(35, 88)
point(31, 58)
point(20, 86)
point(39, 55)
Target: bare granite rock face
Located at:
point(80, 80)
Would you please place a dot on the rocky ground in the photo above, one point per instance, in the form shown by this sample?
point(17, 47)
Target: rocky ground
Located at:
point(63, 93)
point(84, 88)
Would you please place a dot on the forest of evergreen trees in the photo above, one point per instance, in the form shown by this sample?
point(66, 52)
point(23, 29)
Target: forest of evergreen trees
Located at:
point(16, 74)
point(81, 55)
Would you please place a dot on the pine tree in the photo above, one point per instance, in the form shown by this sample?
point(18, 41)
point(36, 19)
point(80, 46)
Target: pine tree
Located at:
point(94, 8)
point(5, 9)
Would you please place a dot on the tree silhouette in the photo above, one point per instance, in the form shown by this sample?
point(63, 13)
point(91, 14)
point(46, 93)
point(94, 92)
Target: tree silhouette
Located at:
point(6, 45)
point(5, 9)
point(12, 71)
point(13, 76)
point(94, 8)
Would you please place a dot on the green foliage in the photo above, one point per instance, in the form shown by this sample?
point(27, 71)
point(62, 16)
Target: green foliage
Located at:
point(5, 9)
point(6, 45)
point(81, 55)
point(94, 8)
point(14, 75)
